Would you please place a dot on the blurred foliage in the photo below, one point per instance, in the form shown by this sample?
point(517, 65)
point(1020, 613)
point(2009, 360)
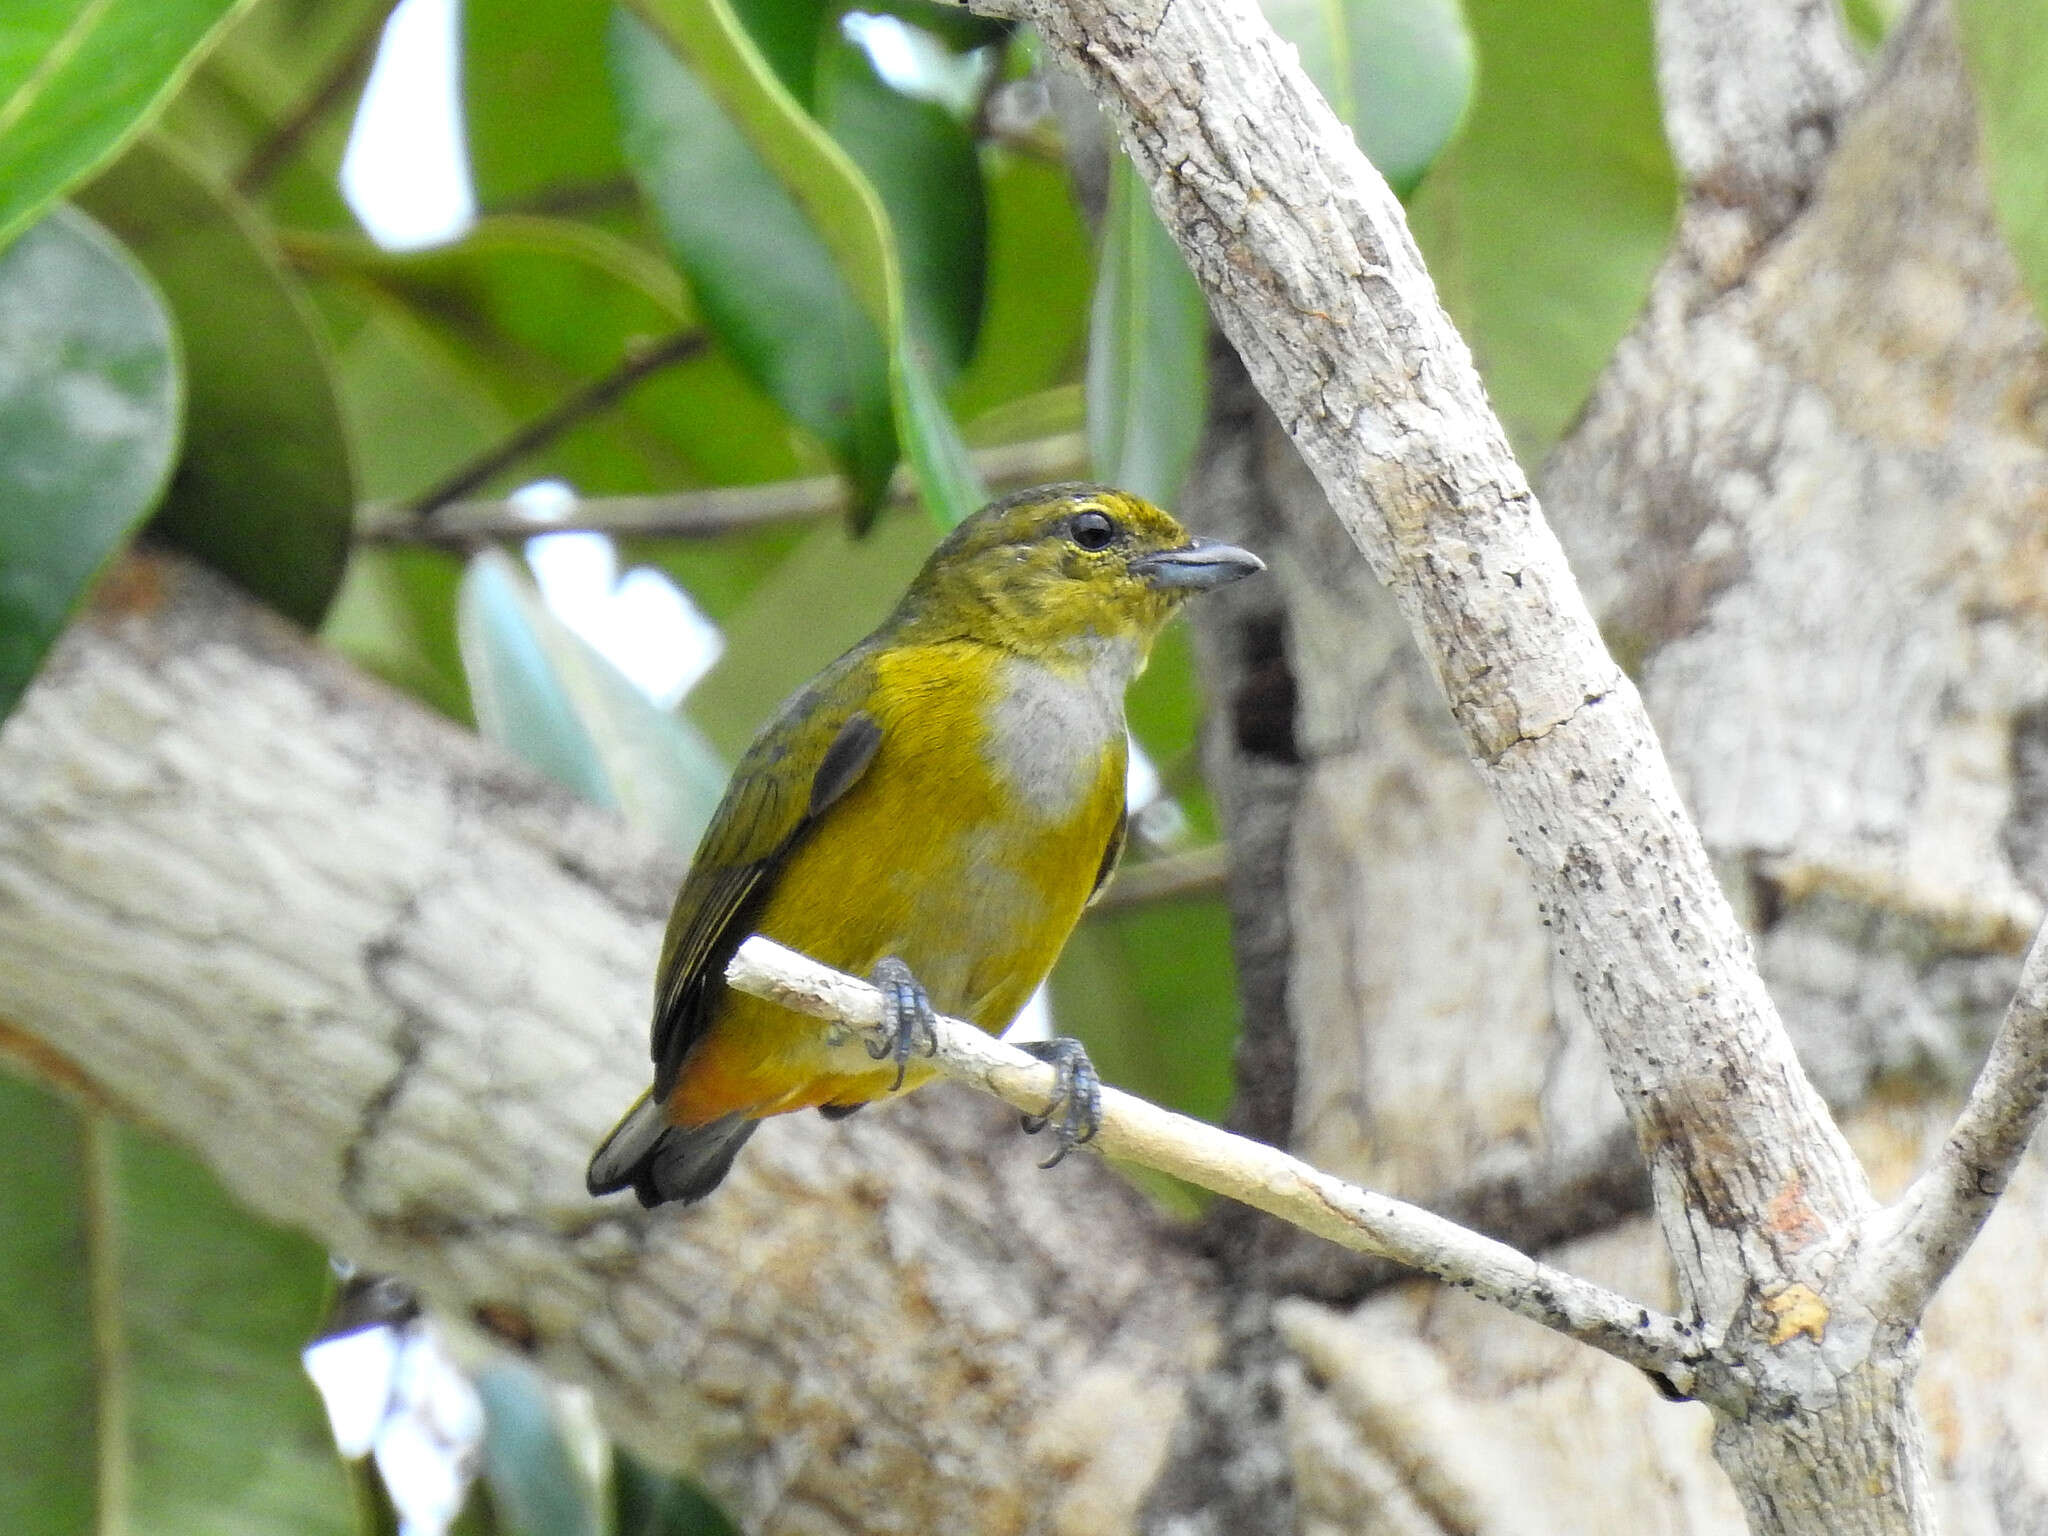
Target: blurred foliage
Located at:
point(1548, 212)
point(78, 79)
point(89, 397)
point(2006, 50)
point(150, 1332)
point(847, 235)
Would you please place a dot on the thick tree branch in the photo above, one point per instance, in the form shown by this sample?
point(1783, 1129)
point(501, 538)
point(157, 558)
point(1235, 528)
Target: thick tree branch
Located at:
point(391, 987)
point(1913, 1245)
point(1138, 1131)
point(1753, 94)
point(1309, 269)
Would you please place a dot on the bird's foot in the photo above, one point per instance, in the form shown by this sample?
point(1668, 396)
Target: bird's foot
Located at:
point(906, 1014)
point(1075, 1109)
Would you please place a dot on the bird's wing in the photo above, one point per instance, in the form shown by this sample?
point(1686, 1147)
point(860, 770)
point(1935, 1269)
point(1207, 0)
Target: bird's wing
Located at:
point(1111, 855)
point(775, 796)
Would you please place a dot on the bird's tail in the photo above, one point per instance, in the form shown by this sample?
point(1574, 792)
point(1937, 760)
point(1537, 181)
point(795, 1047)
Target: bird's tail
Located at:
point(660, 1161)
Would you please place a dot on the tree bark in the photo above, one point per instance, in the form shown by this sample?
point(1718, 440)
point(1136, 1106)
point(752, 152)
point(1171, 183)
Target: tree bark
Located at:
point(393, 987)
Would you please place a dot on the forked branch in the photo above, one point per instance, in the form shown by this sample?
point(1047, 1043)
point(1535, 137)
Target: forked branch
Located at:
point(1913, 1244)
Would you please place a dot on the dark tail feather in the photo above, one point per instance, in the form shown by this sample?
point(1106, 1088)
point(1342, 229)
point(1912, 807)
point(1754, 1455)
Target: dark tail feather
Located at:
point(659, 1161)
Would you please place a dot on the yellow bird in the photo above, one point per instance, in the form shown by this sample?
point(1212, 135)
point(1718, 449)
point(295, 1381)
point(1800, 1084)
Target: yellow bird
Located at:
point(933, 810)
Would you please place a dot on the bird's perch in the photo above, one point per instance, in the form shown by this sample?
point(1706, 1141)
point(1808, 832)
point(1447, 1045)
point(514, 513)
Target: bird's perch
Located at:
point(1141, 1132)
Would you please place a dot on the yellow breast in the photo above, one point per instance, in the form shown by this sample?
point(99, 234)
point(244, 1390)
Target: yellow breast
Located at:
point(967, 850)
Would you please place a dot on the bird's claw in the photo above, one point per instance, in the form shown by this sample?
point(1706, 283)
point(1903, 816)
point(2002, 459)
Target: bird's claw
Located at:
point(1075, 1109)
point(906, 1014)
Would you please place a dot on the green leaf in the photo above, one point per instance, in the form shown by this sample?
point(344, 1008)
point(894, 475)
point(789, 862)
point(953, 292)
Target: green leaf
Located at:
point(650, 1503)
point(1034, 322)
point(537, 105)
point(1543, 221)
point(1398, 71)
point(78, 79)
point(536, 1487)
point(2005, 48)
point(787, 34)
point(521, 314)
point(765, 281)
point(829, 193)
point(541, 691)
point(415, 403)
point(264, 492)
point(395, 617)
point(1148, 344)
point(151, 1330)
point(1152, 992)
point(923, 165)
point(89, 404)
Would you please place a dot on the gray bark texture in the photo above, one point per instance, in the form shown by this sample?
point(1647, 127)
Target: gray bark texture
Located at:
point(392, 987)
point(1801, 577)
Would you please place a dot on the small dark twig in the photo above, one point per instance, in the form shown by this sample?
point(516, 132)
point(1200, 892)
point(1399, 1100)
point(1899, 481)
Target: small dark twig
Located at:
point(598, 395)
point(349, 70)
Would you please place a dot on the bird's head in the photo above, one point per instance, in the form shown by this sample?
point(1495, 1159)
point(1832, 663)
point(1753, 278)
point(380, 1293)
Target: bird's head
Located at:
point(1071, 573)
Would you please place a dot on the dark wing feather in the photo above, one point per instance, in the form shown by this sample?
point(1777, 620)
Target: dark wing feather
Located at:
point(1112, 854)
point(773, 799)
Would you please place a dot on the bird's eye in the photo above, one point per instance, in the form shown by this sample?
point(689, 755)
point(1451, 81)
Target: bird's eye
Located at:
point(1092, 530)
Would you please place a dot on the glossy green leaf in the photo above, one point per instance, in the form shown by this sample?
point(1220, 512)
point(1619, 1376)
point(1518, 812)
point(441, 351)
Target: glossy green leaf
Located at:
point(264, 491)
point(1034, 323)
point(1398, 71)
point(828, 193)
point(151, 1330)
point(536, 1487)
point(766, 282)
point(923, 164)
point(1148, 341)
point(2005, 48)
point(89, 405)
point(542, 691)
point(1544, 220)
point(78, 79)
point(788, 35)
point(526, 312)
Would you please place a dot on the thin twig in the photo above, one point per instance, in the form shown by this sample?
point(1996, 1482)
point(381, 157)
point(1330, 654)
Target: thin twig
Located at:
point(348, 71)
point(709, 513)
point(1914, 1243)
point(585, 401)
point(1141, 1132)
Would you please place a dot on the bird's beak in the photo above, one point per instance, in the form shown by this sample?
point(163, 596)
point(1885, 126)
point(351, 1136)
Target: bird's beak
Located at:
point(1196, 567)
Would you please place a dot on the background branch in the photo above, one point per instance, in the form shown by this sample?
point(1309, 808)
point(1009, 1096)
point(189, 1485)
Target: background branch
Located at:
point(348, 71)
point(391, 986)
point(585, 401)
point(709, 513)
point(1913, 1245)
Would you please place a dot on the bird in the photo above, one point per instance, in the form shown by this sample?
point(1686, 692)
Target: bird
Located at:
point(934, 810)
